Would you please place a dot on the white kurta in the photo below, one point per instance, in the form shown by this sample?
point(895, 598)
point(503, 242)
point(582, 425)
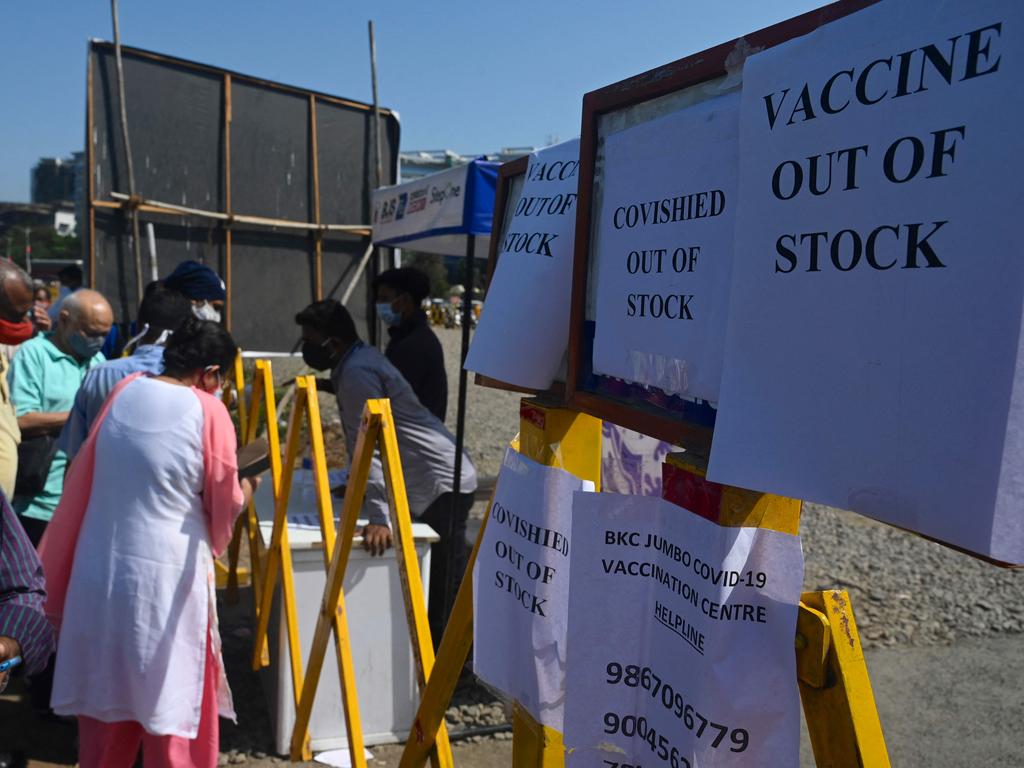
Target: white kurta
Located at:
point(141, 599)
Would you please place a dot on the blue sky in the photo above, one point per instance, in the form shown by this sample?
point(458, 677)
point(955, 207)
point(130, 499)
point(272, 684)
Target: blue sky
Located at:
point(467, 75)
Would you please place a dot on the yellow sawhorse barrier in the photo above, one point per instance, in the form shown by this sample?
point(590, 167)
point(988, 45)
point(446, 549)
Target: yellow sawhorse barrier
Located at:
point(377, 429)
point(229, 576)
point(305, 414)
point(832, 676)
point(263, 403)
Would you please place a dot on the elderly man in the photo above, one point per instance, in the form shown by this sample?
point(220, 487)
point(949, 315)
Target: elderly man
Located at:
point(15, 328)
point(45, 376)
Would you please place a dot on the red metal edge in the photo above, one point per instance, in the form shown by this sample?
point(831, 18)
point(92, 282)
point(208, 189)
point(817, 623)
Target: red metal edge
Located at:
point(691, 492)
point(533, 415)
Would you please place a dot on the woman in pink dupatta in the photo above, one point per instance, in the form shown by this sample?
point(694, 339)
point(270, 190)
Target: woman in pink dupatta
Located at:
point(148, 504)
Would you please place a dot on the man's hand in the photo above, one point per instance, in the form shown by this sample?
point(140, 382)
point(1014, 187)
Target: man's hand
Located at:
point(249, 486)
point(40, 318)
point(376, 539)
point(324, 385)
point(9, 648)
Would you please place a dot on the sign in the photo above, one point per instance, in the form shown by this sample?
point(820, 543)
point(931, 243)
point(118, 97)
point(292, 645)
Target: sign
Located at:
point(663, 247)
point(874, 347)
point(521, 586)
point(433, 206)
point(681, 642)
point(524, 329)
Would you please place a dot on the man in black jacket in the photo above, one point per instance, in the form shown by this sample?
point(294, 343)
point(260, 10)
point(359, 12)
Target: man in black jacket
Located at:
point(414, 348)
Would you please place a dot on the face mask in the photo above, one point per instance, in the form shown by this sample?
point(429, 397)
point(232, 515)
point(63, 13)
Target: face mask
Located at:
point(85, 347)
point(205, 311)
point(15, 333)
point(318, 356)
point(387, 315)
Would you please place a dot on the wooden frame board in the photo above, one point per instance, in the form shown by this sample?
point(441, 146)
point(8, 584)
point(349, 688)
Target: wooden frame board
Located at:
point(233, 232)
point(669, 418)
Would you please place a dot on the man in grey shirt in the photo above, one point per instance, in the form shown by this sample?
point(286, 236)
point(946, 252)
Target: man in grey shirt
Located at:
point(359, 372)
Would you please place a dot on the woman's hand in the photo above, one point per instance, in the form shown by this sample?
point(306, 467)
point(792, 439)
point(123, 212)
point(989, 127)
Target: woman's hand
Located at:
point(376, 539)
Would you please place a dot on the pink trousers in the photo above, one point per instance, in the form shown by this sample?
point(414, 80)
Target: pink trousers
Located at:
point(116, 745)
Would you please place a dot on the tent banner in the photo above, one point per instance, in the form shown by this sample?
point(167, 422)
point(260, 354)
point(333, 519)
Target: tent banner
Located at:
point(874, 347)
point(433, 205)
point(524, 329)
point(680, 639)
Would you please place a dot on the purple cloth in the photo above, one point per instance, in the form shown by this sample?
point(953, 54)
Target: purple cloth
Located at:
point(22, 593)
point(631, 462)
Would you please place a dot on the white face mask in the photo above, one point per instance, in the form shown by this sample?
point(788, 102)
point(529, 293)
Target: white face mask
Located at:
point(205, 311)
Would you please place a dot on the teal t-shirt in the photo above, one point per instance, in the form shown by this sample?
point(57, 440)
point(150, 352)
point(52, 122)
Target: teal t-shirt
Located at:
point(44, 379)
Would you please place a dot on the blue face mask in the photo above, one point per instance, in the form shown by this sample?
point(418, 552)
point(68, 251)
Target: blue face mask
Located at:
point(387, 315)
point(85, 347)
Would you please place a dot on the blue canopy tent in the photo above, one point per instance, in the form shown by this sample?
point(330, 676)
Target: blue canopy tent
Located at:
point(448, 213)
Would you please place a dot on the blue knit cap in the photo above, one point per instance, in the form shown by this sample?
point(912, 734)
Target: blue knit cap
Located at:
point(196, 281)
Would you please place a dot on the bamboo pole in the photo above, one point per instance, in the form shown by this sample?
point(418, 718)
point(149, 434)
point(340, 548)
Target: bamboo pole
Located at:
point(90, 160)
point(136, 245)
point(155, 206)
point(318, 267)
point(378, 172)
point(227, 200)
point(376, 111)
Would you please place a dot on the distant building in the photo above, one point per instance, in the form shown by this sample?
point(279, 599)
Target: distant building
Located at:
point(58, 180)
point(420, 163)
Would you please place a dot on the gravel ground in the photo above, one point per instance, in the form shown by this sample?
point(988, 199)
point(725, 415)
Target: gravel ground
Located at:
point(905, 589)
point(910, 597)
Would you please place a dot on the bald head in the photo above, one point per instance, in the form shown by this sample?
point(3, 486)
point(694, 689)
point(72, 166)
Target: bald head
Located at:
point(15, 292)
point(88, 306)
point(87, 315)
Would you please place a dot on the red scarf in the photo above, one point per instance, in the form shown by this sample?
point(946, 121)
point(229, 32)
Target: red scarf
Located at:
point(16, 333)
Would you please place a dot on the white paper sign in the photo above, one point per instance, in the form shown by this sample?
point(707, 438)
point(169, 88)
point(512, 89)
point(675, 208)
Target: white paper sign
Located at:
point(680, 639)
point(874, 354)
point(521, 586)
point(524, 329)
point(663, 249)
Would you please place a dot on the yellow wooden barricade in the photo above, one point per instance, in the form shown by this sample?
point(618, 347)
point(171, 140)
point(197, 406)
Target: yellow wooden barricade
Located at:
point(376, 430)
point(262, 403)
point(228, 576)
point(305, 413)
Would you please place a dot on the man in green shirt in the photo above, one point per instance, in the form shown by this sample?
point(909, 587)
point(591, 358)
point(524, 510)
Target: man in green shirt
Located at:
point(44, 377)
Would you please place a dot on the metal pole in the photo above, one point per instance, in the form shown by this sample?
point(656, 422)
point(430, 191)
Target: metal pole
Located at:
point(136, 244)
point(460, 423)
